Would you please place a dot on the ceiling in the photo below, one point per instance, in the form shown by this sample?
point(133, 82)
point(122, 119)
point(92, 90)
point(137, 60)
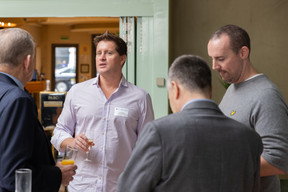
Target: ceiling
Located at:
point(76, 24)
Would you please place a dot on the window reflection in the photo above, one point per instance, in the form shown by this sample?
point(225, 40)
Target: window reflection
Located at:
point(65, 68)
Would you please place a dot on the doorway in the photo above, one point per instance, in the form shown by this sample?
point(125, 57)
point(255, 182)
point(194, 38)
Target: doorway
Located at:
point(64, 66)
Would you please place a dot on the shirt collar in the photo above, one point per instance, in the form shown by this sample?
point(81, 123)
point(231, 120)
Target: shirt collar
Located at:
point(123, 81)
point(195, 100)
point(19, 84)
point(254, 76)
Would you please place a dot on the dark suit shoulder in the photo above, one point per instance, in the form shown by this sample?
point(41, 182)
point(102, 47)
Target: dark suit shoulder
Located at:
point(9, 93)
point(171, 118)
point(208, 119)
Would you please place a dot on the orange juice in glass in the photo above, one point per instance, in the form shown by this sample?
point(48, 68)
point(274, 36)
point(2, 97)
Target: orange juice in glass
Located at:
point(67, 162)
point(69, 156)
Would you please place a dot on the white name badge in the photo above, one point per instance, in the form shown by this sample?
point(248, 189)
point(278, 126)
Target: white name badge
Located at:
point(121, 112)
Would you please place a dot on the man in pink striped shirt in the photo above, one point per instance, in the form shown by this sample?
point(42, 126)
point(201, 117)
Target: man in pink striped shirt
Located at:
point(112, 110)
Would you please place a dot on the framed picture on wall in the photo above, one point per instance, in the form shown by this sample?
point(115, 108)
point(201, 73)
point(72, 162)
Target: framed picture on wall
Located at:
point(84, 68)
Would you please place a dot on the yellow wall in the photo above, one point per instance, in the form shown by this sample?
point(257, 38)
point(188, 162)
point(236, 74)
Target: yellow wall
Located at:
point(45, 36)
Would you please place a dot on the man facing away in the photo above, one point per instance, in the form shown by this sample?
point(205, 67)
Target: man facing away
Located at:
point(252, 99)
point(197, 148)
point(23, 143)
point(110, 111)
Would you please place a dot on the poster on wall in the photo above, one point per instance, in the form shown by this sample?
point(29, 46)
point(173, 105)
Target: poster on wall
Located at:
point(51, 105)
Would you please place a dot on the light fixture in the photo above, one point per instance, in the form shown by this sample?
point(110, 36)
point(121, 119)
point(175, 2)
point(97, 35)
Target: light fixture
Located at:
point(7, 24)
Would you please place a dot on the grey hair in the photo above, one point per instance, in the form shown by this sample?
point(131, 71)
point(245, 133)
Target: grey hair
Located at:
point(15, 45)
point(192, 72)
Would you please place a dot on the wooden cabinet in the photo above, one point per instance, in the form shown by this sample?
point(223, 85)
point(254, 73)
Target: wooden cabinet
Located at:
point(35, 86)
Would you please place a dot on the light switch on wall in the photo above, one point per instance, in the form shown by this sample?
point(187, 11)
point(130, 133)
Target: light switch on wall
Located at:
point(160, 82)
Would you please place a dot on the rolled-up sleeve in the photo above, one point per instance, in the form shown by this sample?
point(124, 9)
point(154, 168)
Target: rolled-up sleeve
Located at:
point(146, 111)
point(65, 126)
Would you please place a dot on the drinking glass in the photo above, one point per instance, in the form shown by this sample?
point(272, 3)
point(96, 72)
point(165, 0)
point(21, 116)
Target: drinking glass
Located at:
point(89, 135)
point(70, 155)
point(23, 180)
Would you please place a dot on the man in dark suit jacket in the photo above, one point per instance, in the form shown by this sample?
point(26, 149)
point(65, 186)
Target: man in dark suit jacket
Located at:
point(197, 148)
point(23, 143)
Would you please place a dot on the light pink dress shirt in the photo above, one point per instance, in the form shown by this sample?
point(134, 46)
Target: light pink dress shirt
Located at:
point(116, 123)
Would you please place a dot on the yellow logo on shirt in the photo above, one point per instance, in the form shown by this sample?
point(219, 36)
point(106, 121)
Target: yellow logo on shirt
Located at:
point(232, 113)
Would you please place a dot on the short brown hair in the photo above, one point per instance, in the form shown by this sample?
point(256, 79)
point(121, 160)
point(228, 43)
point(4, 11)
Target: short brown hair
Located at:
point(238, 37)
point(121, 46)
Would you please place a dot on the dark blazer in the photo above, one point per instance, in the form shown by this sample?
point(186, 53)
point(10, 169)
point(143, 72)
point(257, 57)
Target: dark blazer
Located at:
point(23, 143)
point(198, 149)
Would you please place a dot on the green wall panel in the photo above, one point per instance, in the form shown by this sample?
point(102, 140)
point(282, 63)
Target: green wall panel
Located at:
point(72, 8)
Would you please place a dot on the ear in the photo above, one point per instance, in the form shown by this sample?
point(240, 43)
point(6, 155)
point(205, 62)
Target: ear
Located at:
point(123, 59)
point(175, 90)
point(244, 52)
point(27, 63)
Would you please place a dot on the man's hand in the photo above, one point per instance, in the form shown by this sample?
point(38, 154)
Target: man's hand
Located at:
point(67, 172)
point(79, 142)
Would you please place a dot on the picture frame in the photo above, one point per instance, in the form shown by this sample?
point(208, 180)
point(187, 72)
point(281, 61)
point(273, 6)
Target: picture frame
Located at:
point(84, 68)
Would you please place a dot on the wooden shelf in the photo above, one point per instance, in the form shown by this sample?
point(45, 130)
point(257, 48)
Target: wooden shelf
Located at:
point(35, 86)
